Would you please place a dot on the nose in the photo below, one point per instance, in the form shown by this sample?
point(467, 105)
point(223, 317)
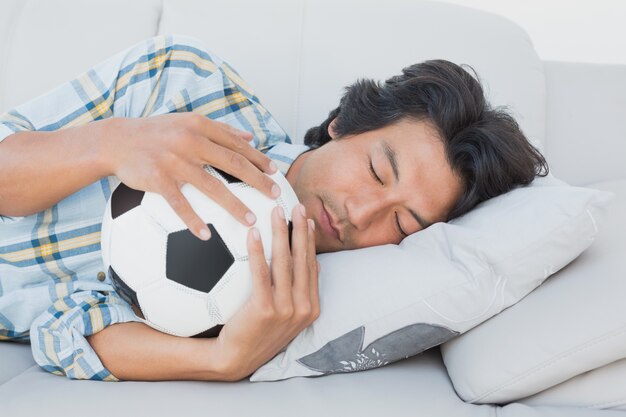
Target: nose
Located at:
point(363, 209)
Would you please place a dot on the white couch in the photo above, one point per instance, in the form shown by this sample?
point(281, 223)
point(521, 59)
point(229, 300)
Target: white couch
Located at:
point(298, 55)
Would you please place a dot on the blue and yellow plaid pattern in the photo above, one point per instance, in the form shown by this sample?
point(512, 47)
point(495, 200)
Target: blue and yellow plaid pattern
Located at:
point(49, 261)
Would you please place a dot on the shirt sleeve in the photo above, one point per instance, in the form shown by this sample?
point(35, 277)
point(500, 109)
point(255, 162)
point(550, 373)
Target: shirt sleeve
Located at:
point(161, 75)
point(119, 86)
point(164, 74)
point(58, 335)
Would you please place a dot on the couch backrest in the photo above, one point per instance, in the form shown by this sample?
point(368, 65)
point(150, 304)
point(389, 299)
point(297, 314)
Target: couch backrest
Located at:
point(297, 54)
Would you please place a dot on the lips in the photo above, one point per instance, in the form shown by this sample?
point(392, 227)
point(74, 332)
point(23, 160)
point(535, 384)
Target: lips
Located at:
point(327, 223)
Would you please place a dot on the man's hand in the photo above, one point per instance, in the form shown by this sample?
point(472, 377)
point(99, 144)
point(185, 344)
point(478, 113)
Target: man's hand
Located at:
point(284, 300)
point(161, 153)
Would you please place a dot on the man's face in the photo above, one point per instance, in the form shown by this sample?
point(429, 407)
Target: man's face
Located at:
point(352, 208)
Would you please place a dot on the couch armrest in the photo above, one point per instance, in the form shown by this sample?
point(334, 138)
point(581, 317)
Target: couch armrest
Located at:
point(586, 121)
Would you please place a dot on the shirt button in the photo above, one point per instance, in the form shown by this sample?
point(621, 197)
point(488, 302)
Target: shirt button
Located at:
point(101, 276)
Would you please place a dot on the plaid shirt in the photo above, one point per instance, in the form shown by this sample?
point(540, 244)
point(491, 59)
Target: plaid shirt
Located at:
point(53, 291)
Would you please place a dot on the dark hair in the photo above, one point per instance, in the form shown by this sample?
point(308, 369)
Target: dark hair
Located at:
point(484, 146)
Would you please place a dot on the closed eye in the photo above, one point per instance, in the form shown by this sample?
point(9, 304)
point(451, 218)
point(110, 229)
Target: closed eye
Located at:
point(377, 178)
point(374, 175)
point(400, 227)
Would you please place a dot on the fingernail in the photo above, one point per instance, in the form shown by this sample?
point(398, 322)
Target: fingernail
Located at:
point(205, 234)
point(273, 167)
point(281, 213)
point(311, 224)
point(275, 190)
point(255, 233)
point(302, 210)
point(250, 218)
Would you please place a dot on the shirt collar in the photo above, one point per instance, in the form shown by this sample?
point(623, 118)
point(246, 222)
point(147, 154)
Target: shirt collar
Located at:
point(283, 154)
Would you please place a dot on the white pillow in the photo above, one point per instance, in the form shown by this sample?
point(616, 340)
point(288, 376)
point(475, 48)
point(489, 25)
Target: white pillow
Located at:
point(574, 326)
point(386, 303)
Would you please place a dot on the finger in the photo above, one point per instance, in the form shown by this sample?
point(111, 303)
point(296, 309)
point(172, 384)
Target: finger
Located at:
point(282, 263)
point(243, 146)
point(242, 133)
point(217, 191)
point(181, 206)
point(261, 283)
point(259, 159)
point(223, 134)
point(239, 166)
point(301, 258)
point(314, 270)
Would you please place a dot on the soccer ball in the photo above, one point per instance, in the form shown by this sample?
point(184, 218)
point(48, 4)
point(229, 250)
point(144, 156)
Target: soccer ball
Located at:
point(177, 283)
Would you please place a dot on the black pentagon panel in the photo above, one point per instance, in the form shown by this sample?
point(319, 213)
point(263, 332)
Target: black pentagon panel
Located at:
point(124, 199)
point(197, 263)
point(212, 332)
point(229, 178)
point(127, 293)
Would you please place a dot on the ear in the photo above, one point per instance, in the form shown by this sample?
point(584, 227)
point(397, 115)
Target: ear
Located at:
point(331, 129)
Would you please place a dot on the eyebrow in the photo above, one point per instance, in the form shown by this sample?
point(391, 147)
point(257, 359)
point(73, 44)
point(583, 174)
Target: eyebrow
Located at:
point(392, 157)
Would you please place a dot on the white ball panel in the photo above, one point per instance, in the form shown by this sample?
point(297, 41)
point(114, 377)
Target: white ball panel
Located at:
point(233, 291)
point(138, 248)
point(262, 207)
point(287, 200)
point(162, 213)
point(287, 194)
point(175, 308)
point(229, 228)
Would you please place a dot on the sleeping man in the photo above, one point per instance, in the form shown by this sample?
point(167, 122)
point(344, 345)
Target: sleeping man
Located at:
point(390, 160)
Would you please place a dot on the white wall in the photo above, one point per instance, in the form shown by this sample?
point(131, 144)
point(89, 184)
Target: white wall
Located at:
point(567, 30)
